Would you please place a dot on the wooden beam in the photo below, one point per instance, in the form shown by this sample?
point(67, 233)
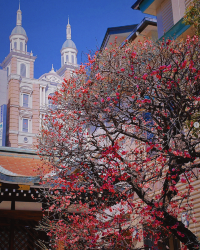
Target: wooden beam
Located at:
point(15, 186)
point(21, 215)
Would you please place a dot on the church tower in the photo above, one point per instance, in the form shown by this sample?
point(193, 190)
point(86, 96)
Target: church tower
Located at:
point(18, 37)
point(28, 98)
point(20, 88)
point(68, 55)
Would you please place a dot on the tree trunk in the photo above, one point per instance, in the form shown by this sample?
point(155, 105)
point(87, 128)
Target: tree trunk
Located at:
point(179, 230)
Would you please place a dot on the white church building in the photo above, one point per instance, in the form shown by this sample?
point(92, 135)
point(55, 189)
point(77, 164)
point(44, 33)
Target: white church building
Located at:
point(23, 99)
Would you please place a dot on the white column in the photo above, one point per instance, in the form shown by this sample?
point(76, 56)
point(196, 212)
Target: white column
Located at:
point(40, 96)
point(40, 120)
point(44, 96)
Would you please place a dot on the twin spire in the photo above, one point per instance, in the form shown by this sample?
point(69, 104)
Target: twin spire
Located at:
point(19, 16)
point(68, 31)
point(19, 23)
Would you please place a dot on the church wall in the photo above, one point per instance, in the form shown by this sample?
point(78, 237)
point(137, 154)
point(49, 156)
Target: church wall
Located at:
point(3, 87)
point(14, 119)
point(67, 74)
point(13, 115)
point(14, 65)
point(13, 92)
point(31, 70)
point(12, 141)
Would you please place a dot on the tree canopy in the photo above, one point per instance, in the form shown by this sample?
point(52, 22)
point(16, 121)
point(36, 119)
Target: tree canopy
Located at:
point(122, 142)
point(192, 16)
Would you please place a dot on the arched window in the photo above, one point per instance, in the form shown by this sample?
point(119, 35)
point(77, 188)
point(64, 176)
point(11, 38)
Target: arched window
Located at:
point(50, 101)
point(67, 58)
point(21, 46)
point(15, 45)
point(73, 59)
point(23, 70)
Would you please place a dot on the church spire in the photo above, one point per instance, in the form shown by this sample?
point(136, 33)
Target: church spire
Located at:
point(68, 31)
point(19, 16)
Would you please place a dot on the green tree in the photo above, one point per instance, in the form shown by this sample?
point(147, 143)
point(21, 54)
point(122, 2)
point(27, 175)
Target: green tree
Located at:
point(192, 15)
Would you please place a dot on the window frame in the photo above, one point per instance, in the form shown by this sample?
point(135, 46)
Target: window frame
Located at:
point(23, 101)
point(23, 64)
point(24, 129)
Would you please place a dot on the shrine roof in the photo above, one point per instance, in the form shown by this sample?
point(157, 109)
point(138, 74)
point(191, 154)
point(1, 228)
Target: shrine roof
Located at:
point(20, 165)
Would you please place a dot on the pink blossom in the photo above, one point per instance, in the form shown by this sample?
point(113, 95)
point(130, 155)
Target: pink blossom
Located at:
point(162, 67)
point(145, 76)
point(108, 98)
point(183, 180)
point(153, 73)
point(102, 100)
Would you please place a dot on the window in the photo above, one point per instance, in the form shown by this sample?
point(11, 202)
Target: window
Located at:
point(7, 71)
point(67, 58)
point(15, 45)
point(23, 70)
point(25, 125)
point(50, 101)
point(25, 100)
point(73, 59)
point(165, 242)
point(21, 46)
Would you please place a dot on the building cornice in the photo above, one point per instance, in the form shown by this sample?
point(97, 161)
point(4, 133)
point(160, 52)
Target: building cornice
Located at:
point(23, 113)
point(67, 66)
point(26, 89)
point(14, 77)
point(18, 54)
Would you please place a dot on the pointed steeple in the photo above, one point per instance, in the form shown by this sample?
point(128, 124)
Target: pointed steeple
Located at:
point(68, 31)
point(52, 69)
point(19, 16)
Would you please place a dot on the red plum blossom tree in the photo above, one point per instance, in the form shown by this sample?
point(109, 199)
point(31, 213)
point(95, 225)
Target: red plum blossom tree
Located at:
point(124, 150)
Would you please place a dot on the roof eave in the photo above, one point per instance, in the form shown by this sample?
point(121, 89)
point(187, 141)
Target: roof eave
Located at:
point(136, 5)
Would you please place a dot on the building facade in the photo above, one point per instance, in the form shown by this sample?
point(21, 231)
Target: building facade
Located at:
point(26, 97)
point(169, 15)
point(147, 28)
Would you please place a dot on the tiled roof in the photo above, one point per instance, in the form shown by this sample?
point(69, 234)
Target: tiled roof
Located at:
point(7, 172)
point(20, 165)
point(18, 162)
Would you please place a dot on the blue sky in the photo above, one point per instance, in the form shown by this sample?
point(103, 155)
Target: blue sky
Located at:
point(45, 24)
